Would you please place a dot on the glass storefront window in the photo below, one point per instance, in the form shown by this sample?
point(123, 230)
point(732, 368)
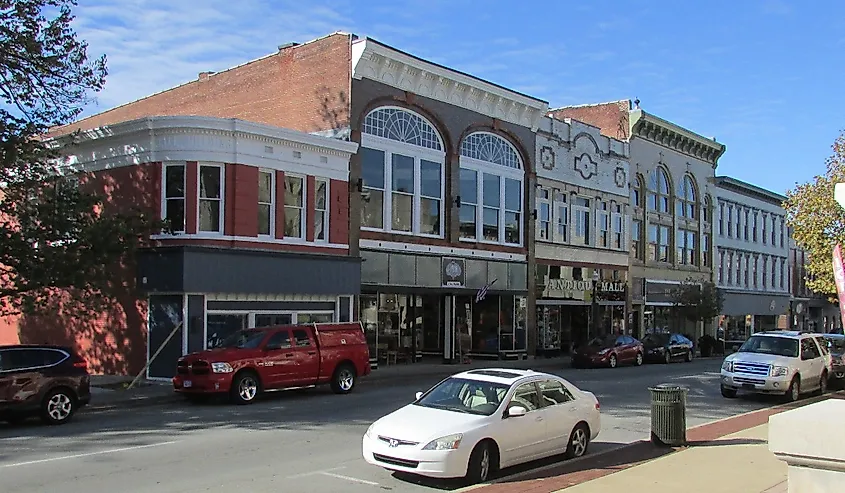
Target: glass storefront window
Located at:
point(221, 326)
point(314, 318)
point(520, 316)
point(269, 320)
point(369, 319)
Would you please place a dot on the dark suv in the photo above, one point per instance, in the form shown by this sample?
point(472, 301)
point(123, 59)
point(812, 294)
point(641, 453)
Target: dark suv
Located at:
point(51, 382)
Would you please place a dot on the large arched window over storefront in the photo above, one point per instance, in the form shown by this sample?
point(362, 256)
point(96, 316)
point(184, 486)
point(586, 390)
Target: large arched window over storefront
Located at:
point(659, 198)
point(491, 184)
point(402, 167)
point(687, 198)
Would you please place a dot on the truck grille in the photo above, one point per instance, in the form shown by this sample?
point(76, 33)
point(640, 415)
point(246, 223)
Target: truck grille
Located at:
point(197, 368)
point(751, 369)
point(413, 464)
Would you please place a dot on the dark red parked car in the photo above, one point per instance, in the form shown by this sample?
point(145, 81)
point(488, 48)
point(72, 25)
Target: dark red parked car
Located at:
point(51, 382)
point(609, 350)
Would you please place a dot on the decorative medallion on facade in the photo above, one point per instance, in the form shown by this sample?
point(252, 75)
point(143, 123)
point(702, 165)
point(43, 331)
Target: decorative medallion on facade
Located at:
point(586, 166)
point(490, 148)
point(547, 158)
point(620, 177)
point(403, 126)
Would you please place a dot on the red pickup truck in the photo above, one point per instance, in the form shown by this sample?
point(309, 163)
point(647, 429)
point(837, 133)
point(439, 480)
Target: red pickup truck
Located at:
point(252, 361)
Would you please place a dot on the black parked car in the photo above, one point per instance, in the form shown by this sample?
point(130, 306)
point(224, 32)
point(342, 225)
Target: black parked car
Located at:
point(836, 346)
point(51, 382)
point(667, 347)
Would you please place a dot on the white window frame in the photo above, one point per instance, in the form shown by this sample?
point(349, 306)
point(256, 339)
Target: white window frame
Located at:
point(390, 147)
point(576, 209)
point(721, 267)
point(303, 217)
point(638, 240)
point(545, 199)
point(222, 199)
point(603, 226)
point(184, 199)
point(764, 233)
point(326, 212)
point(503, 172)
point(272, 202)
point(617, 224)
point(561, 216)
point(706, 257)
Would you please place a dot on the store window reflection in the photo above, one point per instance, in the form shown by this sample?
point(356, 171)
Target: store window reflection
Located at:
point(221, 326)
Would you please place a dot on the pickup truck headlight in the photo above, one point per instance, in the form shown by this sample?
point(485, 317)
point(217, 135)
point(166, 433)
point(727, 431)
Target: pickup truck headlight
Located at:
point(450, 442)
point(221, 368)
point(779, 371)
point(728, 366)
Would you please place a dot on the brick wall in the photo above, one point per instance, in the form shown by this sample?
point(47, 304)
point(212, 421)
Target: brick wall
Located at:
point(611, 118)
point(303, 87)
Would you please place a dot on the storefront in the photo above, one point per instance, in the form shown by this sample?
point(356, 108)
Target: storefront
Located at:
point(746, 313)
point(660, 313)
point(427, 306)
point(198, 296)
point(571, 307)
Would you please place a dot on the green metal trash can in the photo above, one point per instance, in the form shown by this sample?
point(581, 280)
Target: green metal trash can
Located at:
point(668, 415)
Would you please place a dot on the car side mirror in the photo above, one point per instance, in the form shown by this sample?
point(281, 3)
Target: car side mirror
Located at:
point(419, 395)
point(516, 411)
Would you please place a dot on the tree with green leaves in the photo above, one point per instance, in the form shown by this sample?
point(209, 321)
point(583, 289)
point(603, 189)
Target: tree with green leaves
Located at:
point(698, 301)
point(55, 234)
point(818, 222)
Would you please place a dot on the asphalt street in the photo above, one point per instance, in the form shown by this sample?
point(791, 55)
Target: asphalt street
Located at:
point(301, 441)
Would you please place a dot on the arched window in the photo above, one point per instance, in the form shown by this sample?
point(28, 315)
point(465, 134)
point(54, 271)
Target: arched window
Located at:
point(687, 198)
point(491, 190)
point(637, 192)
point(402, 167)
point(658, 188)
point(706, 212)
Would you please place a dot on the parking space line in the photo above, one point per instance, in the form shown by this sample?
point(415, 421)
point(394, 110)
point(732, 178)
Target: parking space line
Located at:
point(314, 473)
point(88, 454)
point(348, 478)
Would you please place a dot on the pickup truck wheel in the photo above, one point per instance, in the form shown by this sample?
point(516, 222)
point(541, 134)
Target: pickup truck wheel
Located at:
point(728, 393)
point(245, 388)
point(794, 392)
point(343, 380)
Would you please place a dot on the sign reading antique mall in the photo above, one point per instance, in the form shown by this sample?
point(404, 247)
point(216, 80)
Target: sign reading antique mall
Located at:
point(585, 285)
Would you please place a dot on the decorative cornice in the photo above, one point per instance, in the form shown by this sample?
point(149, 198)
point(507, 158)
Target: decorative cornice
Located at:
point(743, 188)
point(379, 62)
point(667, 134)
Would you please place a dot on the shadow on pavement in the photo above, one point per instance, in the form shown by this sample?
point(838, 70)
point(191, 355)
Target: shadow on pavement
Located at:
point(728, 442)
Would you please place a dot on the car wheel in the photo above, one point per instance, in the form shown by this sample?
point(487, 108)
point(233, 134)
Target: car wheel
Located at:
point(689, 356)
point(483, 462)
point(639, 359)
point(344, 379)
point(579, 440)
point(58, 406)
point(793, 393)
point(667, 357)
point(245, 388)
point(613, 361)
point(823, 383)
point(728, 393)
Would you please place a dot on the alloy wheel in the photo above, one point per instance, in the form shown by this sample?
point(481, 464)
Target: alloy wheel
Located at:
point(248, 388)
point(484, 464)
point(345, 379)
point(639, 359)
point(613, 361)
point(59, 407)
point(579, 442)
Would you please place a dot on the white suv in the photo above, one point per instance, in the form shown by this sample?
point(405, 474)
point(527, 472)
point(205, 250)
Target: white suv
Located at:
point(778, 362)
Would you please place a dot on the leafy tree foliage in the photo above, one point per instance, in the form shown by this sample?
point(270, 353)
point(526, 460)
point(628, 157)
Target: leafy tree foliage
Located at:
point(54, 233)
point(818, 222)
point(698, 301)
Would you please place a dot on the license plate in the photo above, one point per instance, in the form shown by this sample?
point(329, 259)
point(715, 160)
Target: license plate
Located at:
point(187, 384)
point(748, 385)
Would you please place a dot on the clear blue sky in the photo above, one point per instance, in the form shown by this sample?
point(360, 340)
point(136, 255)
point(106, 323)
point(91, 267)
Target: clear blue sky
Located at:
point(763, 77)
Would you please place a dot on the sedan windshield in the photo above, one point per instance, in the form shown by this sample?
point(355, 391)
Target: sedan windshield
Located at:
point(243, 339)
point(780, 346)
point(465, 396)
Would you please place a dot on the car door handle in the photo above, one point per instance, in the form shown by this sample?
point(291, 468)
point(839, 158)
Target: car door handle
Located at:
point(289, 355)
point(312, 352)
point(538, 418)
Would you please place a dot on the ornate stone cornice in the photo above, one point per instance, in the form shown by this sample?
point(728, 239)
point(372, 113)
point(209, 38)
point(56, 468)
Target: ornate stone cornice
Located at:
point(381, 63)
point(667, 134)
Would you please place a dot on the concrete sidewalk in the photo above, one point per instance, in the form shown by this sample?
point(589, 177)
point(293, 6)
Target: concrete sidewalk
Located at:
point(107, 393)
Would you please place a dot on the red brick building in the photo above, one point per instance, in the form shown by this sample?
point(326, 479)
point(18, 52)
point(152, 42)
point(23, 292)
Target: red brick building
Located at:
point(440, 193)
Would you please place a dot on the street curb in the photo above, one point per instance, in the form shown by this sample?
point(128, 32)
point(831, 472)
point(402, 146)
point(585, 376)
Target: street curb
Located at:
point(131, 403)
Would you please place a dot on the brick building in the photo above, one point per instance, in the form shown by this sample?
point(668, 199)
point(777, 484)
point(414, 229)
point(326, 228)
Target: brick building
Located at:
point(439, 201)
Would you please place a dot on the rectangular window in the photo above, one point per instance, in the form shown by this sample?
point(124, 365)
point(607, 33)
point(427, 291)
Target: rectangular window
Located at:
point(469, 203)
point(739, 217)
point(544, 214)
point(635, 197)
point(431, 207)
point(721, 267)
point(738, 268)
point(603, 220)
point(562, 216)
point(513, 211)
point(266, 211)
point(743, 261)
point(745, 224)
point(582, 220)
point(754, 279)
point(321, 210)
point(705, 249)
point(754, 229)
point(782, 236)
point(774, 233)
point(721, 219)
point(637, 238)
point(618, 227)
point(681, 245)
point(730, 221)
point(729, 268)
point(174, 196)
point(663, 251)
point(211, 199)
point(492, 201)
point(653, 239)
point(372, 175)
point(765, 272)
point(765, 235)
point(294, 207)
point(774, 272)
point(403, 183)
point(685, 244)
point(783, 270)
point(692, 247)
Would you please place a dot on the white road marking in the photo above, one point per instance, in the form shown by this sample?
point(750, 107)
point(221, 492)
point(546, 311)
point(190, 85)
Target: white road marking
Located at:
point(314, 473)
point(89, 454)
point(348, 478)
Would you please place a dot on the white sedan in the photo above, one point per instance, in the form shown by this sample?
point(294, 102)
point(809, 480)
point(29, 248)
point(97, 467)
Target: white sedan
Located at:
point(476, 422)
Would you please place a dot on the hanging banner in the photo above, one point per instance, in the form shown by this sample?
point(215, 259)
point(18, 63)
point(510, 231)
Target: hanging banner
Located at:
point(839, 276)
